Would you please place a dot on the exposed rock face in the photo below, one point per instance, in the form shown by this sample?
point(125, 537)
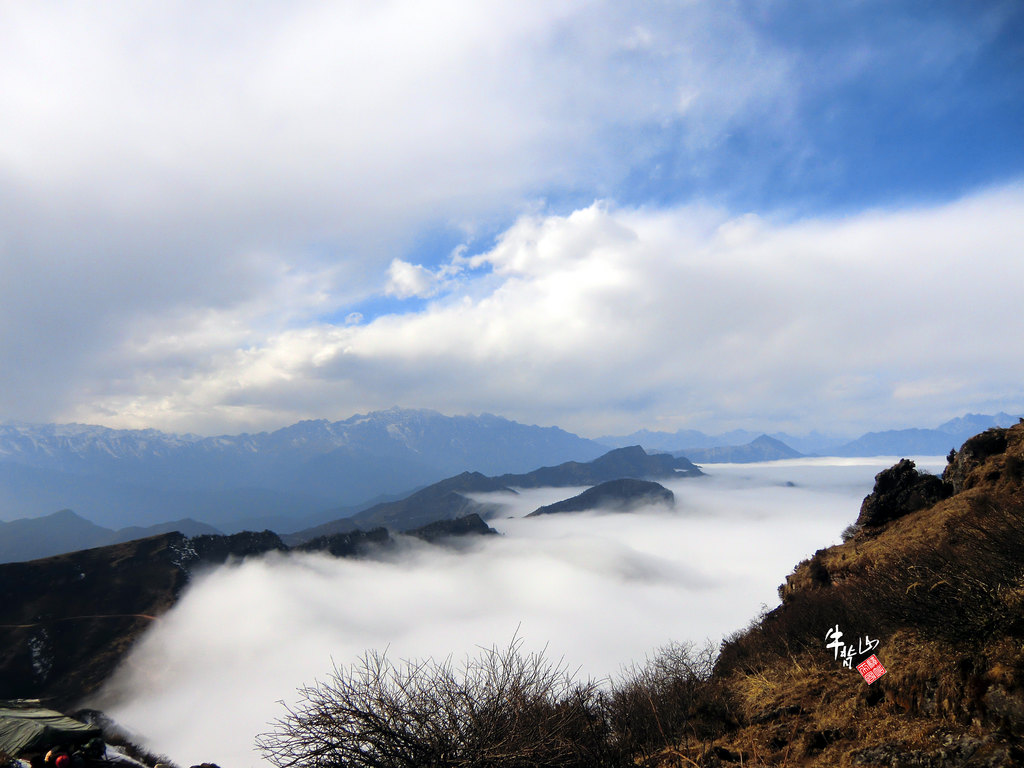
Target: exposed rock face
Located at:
point(961, 473)
point(217, 549)
point(898, 491)
point(622, 495)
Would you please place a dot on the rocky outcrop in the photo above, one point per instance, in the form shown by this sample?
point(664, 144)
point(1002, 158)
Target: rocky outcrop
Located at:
point(346, 544)
point(962, 472)
point(899, 490)
point(935, 591)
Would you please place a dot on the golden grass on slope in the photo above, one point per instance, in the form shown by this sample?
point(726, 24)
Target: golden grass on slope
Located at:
point(943, 590)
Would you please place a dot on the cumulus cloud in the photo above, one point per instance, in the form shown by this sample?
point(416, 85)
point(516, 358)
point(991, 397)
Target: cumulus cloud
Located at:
point(612, 316)
point(159, 163)
point(192, 201)
point(598, 590)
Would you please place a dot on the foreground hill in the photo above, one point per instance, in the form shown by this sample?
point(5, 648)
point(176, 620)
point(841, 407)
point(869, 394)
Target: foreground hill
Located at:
point(930, 582)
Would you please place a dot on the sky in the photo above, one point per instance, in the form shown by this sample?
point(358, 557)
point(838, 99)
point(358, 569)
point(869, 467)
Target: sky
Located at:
point(593, 591)
point(227, 217)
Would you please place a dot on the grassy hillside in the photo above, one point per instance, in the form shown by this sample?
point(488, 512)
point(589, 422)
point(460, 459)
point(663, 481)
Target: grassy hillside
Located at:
point(941, 590)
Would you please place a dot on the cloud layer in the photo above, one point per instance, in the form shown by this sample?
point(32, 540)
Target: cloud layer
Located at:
point(599, 590)
point(195, 202)
point(613, 316)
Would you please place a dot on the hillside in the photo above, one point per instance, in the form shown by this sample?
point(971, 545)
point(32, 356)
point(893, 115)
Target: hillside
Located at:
point(613, 496)
point(762, 448)
point(446, 499)
point(930, 582)
point(64, 531)
point(67, 621)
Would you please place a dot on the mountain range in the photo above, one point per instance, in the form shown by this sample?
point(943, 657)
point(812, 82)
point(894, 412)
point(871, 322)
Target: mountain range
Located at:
point(315, 472)
point(447, 499)
point(901, 646)
point(923, 442)
point(287, 479)
point(763, 448)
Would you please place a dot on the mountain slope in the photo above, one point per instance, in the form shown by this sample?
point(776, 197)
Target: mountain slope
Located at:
point(930, 583)
point(67, 621)
point(446, 499)
point(763, 448)
point(64, 531)
point(615, 496)
point(632, 461)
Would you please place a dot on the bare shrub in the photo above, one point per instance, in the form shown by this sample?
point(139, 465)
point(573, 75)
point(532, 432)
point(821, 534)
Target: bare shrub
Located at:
point(664, 701)
point(501, 708)
point(851, 531)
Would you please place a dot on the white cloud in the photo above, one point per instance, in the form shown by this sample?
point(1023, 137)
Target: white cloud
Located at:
point(611, 317)
point(598, 590)
point(147, 152)
point(191, 201)
point(406, 280)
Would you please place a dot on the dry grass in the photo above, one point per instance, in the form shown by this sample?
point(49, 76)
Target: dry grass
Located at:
point(943, 589)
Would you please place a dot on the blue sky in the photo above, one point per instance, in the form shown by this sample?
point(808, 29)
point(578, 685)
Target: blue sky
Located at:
point(607, 216)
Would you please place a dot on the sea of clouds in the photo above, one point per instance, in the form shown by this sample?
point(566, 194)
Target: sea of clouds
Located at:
point(597, 590)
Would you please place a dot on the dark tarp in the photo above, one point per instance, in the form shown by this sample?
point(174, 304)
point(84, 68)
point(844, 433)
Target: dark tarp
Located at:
point(33, 729)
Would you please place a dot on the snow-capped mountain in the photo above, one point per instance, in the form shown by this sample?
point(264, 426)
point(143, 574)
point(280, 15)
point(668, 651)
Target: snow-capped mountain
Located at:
point(137, 477)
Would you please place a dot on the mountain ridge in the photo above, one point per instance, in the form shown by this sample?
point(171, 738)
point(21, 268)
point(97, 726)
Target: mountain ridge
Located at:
point(67, 621)
point(623, 495)
point(880, 443)
point(286, 479)
point(445, 499)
